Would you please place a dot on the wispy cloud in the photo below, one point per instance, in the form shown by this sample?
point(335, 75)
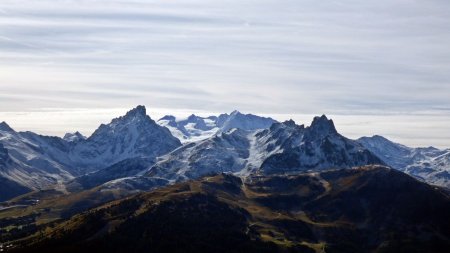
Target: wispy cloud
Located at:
point(295, 56)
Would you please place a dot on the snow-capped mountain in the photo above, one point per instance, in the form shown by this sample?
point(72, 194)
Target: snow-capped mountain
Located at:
point(283, 148)
point(32, 160)
point(429, 164)
point(316, 147)
point(133, 147)
point(36, 162)
point(195, 128)
point(129, 136)
point(243, 121)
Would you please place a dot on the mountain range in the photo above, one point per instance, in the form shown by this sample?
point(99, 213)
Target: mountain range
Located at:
point(282, 148)
point(188, 148)
point(67, 182)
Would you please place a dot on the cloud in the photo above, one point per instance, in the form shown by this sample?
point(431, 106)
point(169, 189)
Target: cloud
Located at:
point(271, 57)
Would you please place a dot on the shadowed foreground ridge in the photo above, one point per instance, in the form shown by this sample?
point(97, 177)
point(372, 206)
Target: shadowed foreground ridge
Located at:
point(371, 208)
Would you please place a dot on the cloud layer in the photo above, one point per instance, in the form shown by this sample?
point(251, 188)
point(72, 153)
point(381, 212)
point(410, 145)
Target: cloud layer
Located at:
point(271, 57)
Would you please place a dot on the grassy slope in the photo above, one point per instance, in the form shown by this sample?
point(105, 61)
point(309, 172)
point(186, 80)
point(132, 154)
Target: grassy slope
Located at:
point(368, 209)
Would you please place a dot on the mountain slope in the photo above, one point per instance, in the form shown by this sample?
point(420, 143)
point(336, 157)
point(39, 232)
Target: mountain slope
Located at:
point(224, 152)
point(369, 209)
point(125, 168)
point(429, 164)
point(10, 189)
point(32, 160)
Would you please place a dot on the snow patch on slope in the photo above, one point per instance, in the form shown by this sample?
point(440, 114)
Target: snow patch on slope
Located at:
point(195, 128)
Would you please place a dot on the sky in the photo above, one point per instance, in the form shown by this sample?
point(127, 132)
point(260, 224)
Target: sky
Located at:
point(375, 67)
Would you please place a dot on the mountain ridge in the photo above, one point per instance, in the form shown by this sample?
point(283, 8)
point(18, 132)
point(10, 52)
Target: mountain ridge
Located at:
point(263, 146)
point(308, 212)
point(428, 164)
point(283, 147)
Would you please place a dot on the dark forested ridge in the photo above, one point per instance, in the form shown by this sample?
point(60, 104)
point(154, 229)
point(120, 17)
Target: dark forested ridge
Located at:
point(368, 209)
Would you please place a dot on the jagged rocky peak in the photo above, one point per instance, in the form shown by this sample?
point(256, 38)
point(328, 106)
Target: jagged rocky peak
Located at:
point(139, 111)
point(291, 123)
point(74, 137)
point(286, 126)
point(134, 120)
point(235, 112)
point(221, 119)
point(5, 127)
point(192, 118)
point(137, 114)
point(293, 148)
point(198, 121)
point(168, 120)
point(323, 125)
point(168, 117)
point(133, 135)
